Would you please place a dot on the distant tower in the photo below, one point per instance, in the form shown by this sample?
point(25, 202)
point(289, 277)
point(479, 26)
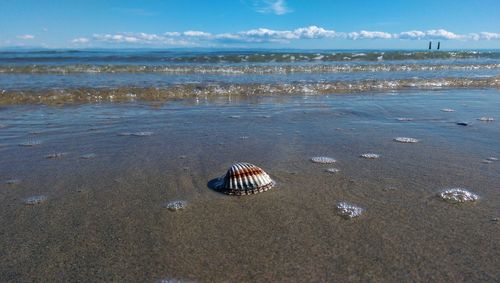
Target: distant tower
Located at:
point(430, 45)
point(439, 44)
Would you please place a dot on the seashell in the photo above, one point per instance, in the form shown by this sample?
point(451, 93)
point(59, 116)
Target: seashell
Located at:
point(323, 159)
point(243, 179)
point(406, 140)
point(457, 195)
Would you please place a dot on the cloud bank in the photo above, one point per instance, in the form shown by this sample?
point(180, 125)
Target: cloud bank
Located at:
point(264, 35)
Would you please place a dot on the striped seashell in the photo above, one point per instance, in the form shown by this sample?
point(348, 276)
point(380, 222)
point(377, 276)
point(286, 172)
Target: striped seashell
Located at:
point(244, 179)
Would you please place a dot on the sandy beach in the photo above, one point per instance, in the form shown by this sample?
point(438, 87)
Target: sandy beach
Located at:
point(107, 171)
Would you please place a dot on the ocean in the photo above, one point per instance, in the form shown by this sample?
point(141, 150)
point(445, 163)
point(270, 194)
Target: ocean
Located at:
point(102, 75)
point(96, 145)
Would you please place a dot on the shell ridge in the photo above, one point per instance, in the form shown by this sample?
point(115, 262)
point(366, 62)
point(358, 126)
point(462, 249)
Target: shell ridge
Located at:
point(244, 179)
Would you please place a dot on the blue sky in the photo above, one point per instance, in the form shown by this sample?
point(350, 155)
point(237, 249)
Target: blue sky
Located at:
point(318, 24)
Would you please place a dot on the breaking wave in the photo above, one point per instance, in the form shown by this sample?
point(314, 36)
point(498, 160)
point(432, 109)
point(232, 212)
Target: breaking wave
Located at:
point(235, 56)
point(243, 69)
point(93, 95)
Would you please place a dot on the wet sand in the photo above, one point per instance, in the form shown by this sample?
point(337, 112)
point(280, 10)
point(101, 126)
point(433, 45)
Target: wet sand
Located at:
point(105, 217)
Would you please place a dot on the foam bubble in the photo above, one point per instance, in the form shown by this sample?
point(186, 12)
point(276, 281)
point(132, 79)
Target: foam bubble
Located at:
point(486, 119)
point(31, 142)
point(142, 134)
point(458, 195)
point(404, 119)
point(447, 110)
point(323, 159)
point(88, 156)
point(12, 182)
point(56, 155)
point(370, 155)
point(33, 200)
point(406, 140)
point(176, 205)
point(173, 280)
point(348, 210)
point(332, 170)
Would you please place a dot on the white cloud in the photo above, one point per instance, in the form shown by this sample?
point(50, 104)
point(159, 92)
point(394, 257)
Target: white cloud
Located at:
point(265, 35)
point(413, 34)
point(118, 38)
point(314, 32)
point(277, 7)
point(369, 35)
point(269, 35)
point(489, 35)
point(195, 33)
point(172, 33)
point(141, 38)
point(442, 34)
point(80, 40)
point(26, 36)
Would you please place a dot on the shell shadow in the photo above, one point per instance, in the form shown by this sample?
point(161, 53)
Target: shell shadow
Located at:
point(214, 185)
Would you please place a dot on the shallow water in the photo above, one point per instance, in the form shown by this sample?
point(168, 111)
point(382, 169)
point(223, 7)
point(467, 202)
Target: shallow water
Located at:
point(110, 75)
point(105, 218)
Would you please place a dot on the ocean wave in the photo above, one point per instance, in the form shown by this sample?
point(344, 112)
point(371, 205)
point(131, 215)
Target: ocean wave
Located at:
point(236, 56)
point(246, 69)
point(95, 95)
